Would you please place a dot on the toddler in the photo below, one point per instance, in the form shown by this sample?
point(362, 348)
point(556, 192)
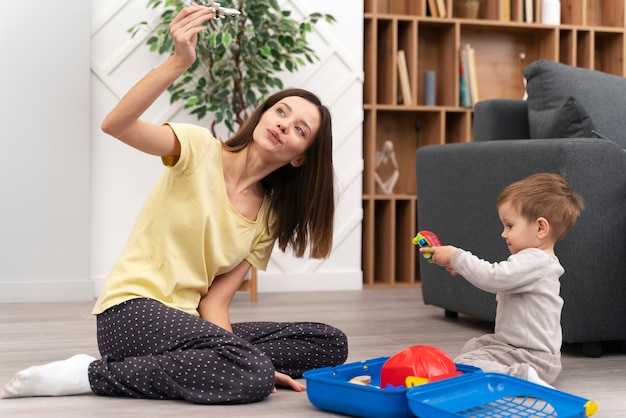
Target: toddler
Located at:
point(535, 212)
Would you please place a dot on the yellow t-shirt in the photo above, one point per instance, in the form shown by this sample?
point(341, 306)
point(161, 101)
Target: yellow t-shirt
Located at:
point(187, 232)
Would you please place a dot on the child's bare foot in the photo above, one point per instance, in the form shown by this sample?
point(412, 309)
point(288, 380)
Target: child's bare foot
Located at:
point(60, 378)
point(533, 377)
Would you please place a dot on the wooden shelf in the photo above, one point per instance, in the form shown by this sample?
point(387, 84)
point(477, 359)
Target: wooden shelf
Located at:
point(591, 35)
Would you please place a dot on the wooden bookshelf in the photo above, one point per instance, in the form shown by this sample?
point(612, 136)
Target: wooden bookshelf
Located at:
point(591, 35)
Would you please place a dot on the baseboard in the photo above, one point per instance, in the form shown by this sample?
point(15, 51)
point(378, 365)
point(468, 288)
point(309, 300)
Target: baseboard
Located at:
point(309, 282)
point(47, 291)
point(85, 290)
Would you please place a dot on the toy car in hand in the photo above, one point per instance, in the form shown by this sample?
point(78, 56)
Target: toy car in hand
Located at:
point(427, 239)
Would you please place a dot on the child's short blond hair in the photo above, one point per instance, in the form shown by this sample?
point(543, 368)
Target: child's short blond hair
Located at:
point(545, 195)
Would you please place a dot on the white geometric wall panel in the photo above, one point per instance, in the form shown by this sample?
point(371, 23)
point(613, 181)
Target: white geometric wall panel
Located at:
point(121, 176)
point(44, 175)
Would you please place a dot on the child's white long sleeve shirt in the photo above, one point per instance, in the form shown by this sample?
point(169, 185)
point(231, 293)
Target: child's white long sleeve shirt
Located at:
point(527, 290)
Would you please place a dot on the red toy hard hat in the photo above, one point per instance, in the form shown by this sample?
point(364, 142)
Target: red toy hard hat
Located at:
point(420, 361)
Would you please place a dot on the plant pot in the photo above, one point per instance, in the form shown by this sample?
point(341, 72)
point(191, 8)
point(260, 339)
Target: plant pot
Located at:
point(466, 9)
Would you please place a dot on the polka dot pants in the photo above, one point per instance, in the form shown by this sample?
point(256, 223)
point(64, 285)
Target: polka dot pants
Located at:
point(150, 350)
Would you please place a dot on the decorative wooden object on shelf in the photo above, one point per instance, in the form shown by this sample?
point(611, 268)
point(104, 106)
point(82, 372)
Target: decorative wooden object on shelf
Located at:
point(591, 35)
point(386, 156)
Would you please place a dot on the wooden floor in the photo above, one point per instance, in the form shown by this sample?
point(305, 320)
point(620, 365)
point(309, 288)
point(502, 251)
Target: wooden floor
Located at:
point(378, 322)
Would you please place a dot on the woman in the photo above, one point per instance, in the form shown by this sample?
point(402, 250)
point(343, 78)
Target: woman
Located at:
point(164, 330)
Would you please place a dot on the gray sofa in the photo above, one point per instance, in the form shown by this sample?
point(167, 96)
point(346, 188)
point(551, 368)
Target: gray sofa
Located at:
point(573, 124)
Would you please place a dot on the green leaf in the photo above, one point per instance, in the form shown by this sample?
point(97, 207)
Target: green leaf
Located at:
point(226, 39)
point(224, 93)
point(192, 101)
point(250, 96)
point(272, 44)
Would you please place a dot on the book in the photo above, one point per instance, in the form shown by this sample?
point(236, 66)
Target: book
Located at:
point(432, 7)
point(538, 11)
point(505, 10)
point(441, 8)
point(405, 85)
point(517, 10)
point(529, 11)
point(464, 99)
point(472, 76)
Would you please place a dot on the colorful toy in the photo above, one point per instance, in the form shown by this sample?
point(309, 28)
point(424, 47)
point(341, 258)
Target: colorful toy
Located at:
point(496, 395)
point(427, 239)
point(417, 365)
point(344, 389)
point(330, 388)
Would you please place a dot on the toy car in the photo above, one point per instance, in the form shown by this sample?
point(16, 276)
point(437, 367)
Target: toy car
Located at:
point(427, 239)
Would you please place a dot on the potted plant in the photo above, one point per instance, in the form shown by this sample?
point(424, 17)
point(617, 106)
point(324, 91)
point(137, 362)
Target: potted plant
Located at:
point(240, 58)
point(466, 8)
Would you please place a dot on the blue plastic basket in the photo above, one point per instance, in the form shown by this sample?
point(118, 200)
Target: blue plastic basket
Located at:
point(495, 395)
point(329, 389)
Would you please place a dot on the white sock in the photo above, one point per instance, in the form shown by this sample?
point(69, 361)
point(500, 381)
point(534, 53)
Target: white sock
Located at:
point(60, 378)
point(533, 377)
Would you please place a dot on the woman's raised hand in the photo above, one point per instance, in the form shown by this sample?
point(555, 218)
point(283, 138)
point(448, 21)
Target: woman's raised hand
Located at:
point(185, 27)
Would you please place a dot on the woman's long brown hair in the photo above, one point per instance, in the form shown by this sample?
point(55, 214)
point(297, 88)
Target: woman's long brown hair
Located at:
point(302, 198)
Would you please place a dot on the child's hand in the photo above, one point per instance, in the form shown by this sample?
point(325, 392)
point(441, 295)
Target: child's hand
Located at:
point(451, 270)
point(441, 256)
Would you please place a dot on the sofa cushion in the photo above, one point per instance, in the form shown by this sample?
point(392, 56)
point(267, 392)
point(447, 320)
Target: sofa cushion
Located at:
point(601, 95)
point(500, 119)
point(568, 120)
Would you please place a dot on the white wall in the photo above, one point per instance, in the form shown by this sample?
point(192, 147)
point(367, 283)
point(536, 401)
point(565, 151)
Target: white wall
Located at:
point(44, 173)
point(121, 177)
point(70, 194)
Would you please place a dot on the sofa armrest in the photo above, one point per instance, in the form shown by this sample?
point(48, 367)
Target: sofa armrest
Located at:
point(458, 185)
point(500, 119)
